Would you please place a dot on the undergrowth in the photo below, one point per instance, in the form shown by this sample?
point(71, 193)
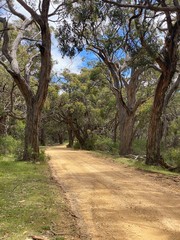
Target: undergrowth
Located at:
point(138, 164)
point(29, 200)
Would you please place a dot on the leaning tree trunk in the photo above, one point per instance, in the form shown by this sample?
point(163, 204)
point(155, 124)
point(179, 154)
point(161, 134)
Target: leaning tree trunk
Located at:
point(31, 142)
point(76, 131)
point(155, 130)
point(168, 64)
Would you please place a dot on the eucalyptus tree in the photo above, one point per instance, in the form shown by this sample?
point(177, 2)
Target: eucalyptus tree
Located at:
point(102, 29)
point(51, 131)
point(31, 31)
point(85, 105)
point(165, 16)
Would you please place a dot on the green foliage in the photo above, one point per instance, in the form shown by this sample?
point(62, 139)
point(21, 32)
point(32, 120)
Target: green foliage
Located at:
point(17, 129)
point(172, 156)
point(139, 146)
point(8, 145)
point(76, 145)
point(138, 164)
point(85, 104)
point(42, 157)
point(106, 144)
point(144, 112)
point(89, 144)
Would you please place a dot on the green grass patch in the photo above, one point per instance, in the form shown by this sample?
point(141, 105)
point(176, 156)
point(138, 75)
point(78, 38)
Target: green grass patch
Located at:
point(142, 166)
point(29, 200)
point(137, 164)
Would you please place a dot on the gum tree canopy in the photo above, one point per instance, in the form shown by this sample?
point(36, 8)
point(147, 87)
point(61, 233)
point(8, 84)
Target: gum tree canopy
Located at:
point(148, 27)
point(103, 30)
point(165, 15)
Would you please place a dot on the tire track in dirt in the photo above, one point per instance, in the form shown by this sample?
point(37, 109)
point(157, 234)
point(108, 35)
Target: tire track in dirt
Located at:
point(114, 201)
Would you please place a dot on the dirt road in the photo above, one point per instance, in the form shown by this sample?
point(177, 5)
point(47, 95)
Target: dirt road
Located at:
point(117, 202)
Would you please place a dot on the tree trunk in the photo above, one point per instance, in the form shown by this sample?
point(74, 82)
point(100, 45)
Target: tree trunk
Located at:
point(42, 137)
point(126, 122)
point(116, 123)
point(81, 140)
point(60, 138)
point(31, 143)
point(70, 138)
point(153, 156)
point(155, 130)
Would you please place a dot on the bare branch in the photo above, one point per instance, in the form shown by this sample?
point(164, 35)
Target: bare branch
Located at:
point(55, 11)
point(5, 45)
point(148, 6)
point(13, 11)
point(34, 15)
point(14, 62)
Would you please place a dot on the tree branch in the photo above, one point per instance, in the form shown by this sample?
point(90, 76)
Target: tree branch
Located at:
point(13, 11)
point(148, 6)
point(5, 45)
point(14, 62)
point(55, 11)
point(34, 15)
point(172, 89)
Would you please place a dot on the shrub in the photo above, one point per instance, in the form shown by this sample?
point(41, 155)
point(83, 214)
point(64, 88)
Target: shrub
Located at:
point(8, 145)
point(40, 158)
point(43, 156)
point(139, 146)
point(89, 144)
point(106, 144)
point(76, 145)
point(172, 156)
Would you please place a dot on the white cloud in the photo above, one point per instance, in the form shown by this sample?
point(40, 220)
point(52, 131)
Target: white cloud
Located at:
point(73, 65)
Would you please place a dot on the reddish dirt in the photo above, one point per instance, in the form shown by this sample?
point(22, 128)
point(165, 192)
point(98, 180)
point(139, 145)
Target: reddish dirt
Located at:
point(112, 201)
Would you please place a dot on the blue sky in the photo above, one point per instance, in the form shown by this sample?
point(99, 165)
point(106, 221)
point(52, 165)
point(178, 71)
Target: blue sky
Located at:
point(75, 64)
point(60, 63)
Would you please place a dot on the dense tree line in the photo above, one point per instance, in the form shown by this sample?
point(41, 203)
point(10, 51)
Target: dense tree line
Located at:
point(129, 94)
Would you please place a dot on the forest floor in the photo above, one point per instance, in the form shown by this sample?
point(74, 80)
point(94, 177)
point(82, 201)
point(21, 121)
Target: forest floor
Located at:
point(113, 201)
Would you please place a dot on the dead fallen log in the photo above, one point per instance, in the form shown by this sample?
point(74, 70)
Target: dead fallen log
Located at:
point(136, 157)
